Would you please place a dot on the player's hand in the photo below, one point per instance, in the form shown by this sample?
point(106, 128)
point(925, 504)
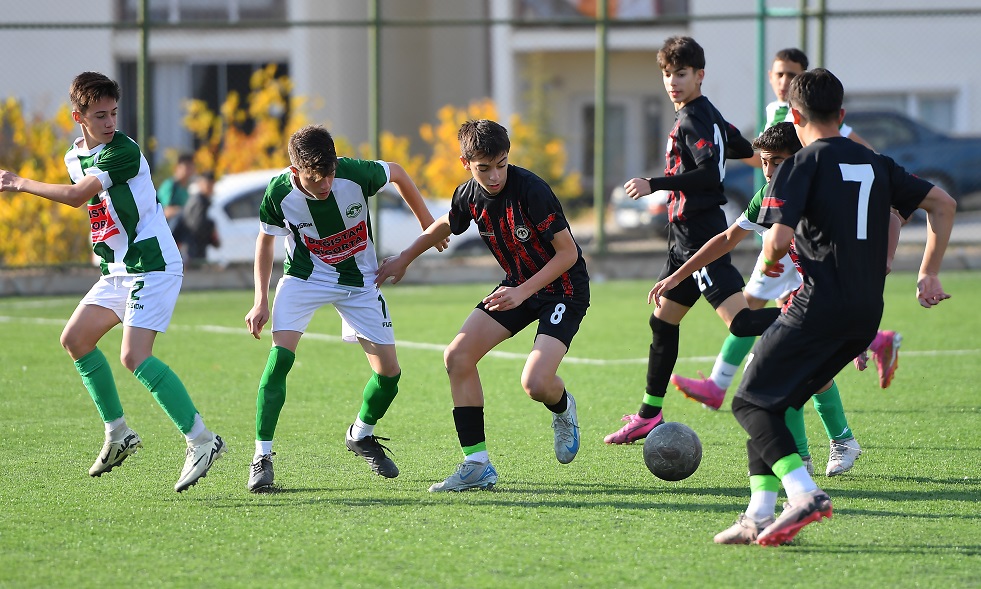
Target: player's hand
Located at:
point(392, 267)
point(929, 291)
point(772, 270)
point(637, 187)
point(256, 319)
point(441, 246)
point(504, 298)
point(660, 288)
point(8, 181)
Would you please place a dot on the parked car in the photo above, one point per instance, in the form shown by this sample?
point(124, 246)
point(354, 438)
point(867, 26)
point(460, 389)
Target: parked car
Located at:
point(952, 163)
point(235, 211)
point(649, 214)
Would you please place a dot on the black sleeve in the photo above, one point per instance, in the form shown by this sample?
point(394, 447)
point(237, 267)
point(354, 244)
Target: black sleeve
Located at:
point(703, 178)
point(749, 322)
point(738, 147)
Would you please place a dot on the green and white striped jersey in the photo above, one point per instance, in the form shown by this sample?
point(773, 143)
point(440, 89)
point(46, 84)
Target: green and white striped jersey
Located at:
point(329, 240)
point(750, 218)
point(128, 227)
point(779, 112)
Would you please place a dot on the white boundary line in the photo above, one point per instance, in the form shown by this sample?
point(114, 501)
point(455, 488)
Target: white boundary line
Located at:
point(404, 344)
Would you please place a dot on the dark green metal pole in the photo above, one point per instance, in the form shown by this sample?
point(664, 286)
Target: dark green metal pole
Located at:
point(802, 24)
point(821, 32)
point(143, 76)
point(761, 67)
point(599, 127)
point(374, 106)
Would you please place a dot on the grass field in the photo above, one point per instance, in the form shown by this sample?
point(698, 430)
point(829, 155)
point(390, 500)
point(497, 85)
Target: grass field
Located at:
point(907, 515)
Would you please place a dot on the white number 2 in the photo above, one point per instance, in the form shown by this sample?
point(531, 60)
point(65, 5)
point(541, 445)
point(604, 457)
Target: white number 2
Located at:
point(863, 174)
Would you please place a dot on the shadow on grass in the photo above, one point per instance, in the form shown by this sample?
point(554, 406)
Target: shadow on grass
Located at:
point(880, 549)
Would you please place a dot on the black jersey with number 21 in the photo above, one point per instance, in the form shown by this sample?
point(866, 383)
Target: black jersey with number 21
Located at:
point(837, 194)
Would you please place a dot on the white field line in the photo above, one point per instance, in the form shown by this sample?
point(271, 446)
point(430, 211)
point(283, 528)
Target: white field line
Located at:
point(404, 344)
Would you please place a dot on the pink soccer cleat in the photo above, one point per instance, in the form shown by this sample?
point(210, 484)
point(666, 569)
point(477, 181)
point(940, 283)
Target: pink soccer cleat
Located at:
point(885, 347)
point(637, 428)
point(797, 513)
point(704, 390)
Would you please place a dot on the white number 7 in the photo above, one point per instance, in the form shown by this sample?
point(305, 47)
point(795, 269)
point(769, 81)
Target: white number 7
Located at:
point(863, 174)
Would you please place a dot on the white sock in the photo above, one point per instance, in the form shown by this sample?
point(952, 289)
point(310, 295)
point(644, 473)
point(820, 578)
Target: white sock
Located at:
point(115, 424)
point(481, 457)
point(361, 430)
point(262, 447)
point(197, 429)
point(762, 505)
point(723, 372)
point(797, 482)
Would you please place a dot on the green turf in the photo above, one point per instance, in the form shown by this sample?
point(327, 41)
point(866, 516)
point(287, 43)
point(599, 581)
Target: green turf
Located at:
point(908, 515)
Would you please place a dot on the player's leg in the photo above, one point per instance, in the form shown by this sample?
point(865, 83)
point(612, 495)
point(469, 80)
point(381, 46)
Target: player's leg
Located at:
point(844, 447)
point(795, 423)
point(480, 333)
point(152, 297)
point(558, 322)
point(764, 487)
point(98, 312)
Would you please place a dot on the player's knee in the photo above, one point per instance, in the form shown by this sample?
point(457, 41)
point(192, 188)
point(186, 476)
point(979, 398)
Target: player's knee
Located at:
point(74, 344)
point(456, 360)
point(536, 386)
point(131, 359)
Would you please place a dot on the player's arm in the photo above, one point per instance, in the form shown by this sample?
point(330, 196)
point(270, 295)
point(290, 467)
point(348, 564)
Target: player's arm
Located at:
point(703, 178)
point(940, 208)
point(895, 225)
point(713, 249)
point(395, 266)
point(259, 314)
point(737, 146)
point(73, 195)
point(776, 244)
point(860, 140)
point(565, 256)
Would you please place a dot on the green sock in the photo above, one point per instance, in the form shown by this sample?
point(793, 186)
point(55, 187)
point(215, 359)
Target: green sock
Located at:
point(169, 392)
point(735, 349)
point(794, 418)
point(379, 392)
point(471, 450)
point(99, 381)
point(272, 392)
point(787, 465)
point(761, 482)
point(828, 405)
point(656, 402)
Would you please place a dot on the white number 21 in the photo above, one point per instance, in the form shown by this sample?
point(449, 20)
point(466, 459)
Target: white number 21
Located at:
point(863, 174)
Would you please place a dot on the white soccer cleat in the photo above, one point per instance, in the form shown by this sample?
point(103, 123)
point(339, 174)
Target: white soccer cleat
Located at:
point(842, 456)
point(202, 452)
point(117, 447)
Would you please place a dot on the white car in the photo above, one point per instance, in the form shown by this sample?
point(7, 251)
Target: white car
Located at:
point(235, 211)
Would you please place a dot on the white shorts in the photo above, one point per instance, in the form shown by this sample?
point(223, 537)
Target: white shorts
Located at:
point(363, 311)
point(141, 300)
point(763, 287)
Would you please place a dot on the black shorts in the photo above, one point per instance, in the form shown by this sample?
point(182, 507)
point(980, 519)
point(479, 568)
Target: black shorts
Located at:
point(558, 319)
point(788, 365)
point(717, 281)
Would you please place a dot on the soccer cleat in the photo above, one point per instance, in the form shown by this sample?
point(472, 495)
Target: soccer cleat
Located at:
point(885, 346)
point(201, 453)
point(744, 531)
point(808, 464)
point(261, 473)
point(862, 361)
point(373, 453)
point(842, 456)
point(116, 448)
point(468, 476)
point(797, 513)
point(566, 426)
point(701, 389)
point(637, 428)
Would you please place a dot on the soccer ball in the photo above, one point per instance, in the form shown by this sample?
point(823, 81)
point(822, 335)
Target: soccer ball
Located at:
point(672, 451)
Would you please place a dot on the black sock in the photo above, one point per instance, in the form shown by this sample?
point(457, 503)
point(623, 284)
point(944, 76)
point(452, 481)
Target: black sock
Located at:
point(562, 405)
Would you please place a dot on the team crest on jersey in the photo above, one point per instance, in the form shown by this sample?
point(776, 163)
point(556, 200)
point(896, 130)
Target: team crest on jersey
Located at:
point(340, 246)
point(102, 225)
point(521, 232)
point(353, 211)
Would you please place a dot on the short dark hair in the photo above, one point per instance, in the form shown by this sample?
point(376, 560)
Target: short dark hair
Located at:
point(185, 157)
point(311, 148)
point(681, 52)
point(483, 137)
point(792, 54)
point(89, 87)
point(780, 138)
point(817, 94)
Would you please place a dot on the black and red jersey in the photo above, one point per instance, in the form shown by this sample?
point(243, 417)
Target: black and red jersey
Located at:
point(518, 225)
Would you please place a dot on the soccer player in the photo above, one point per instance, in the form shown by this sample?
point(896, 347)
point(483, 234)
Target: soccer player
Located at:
point(319, 204)
point(698, 145)
point(522, 223)
point(775, 144)
point(141, 278)
point(837, 194)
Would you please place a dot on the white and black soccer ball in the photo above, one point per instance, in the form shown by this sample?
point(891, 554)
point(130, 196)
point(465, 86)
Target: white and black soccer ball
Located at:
point(672, 451)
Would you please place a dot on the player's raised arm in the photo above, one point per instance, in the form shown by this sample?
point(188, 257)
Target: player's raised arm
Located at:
point(940, 208)
point(395, 266)
point(73, 195)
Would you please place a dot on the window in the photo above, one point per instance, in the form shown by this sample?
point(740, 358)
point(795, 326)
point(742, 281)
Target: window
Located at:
point(213, 82)
point(246, 206)
point(175, 11)
point(936, 111)
point(586, 10)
